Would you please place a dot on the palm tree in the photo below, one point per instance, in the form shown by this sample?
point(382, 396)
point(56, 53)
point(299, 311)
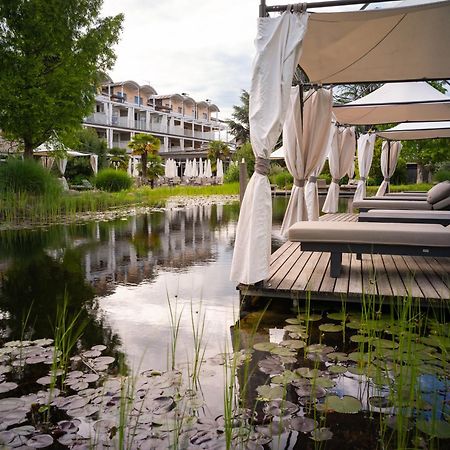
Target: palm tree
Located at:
point(240, 124)
point(155, 168)
point(217, 150)
point(145, 145)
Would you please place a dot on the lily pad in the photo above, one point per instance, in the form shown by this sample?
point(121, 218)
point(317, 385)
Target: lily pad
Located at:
point(264, 346)
point(346, 404)
point(321, 434)
point(324, 382)
point(337, 316)
point(293, 344)
point(337, 356)
point(384, 343)
point(40, 441)
point(280, 408)
point(268, 393)
point(283, 351)
point(435, 428)
point(310, 317)
point(335, 369)
point(359, 338)
point(302, 424)
point(7, 386)
point(330, 328)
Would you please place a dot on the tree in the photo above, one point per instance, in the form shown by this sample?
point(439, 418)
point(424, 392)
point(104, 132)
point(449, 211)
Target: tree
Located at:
point(51, 53)
point(155, 168)
point(240, 124)
point(145, 145)
point(217, 150)
point(246, 152)
point(119, 158)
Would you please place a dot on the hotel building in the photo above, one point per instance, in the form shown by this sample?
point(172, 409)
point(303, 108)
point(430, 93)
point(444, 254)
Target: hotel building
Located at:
point(184, 126)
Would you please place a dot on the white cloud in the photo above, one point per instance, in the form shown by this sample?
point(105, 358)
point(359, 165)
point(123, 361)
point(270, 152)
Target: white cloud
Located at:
point(202, 47)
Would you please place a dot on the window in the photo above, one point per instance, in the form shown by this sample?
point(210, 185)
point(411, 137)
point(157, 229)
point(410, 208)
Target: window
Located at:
point(180, 110)
point(100, 108)
point(205, 115)
point(137, 100)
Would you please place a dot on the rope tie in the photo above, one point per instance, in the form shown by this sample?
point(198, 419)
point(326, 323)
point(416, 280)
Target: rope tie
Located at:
point(363, 179)
point(387, 179)
point(262, 166)
point(299, 183)
point(312, 179)
point(297, 7)
point(335, 180)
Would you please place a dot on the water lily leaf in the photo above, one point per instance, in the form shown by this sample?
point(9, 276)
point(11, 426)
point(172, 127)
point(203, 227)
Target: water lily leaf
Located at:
point(359, 357)
point(298, 329)
point(310, 317)
point(40, 441)
point(337, 356)
point(384, 343)
point(357, 370)
point(264, 346)
point(7, 386)
point(435, 428)
point(4, 369)
point(271, 365)
point(335, 369)
point(295, 321)
point(341, 316)
point(346, 404)
point(312, 392)
point(380, 402)
point(353, 325)
point(280, 408)
point(285, 378)
point(302, 424)
point(99, 347)
point(319, 348)
point(91, 354)
point(43, 342)
point(359, 338)
point(324, 382)
point(268, 393)
point(295, 344)
point(330, 328)
point(306, 372)
point(44, 380)
point(283, 351)
point(104, 360)
point(321, 434)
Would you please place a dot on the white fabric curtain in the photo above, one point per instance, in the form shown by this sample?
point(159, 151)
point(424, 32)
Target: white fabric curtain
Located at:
point(389, 158)
point(219, 172)
point(305, 141)
point(61, 163)
point(129, 170)
point(201, 168)
point(340, 159)
point(278, 48)
point(93, 160)
point(47, 162)
point(366, 143)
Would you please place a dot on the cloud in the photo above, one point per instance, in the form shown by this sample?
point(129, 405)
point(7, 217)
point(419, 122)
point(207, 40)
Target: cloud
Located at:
point(202, 47)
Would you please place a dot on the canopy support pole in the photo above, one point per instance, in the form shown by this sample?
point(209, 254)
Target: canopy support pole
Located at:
point(263, 9)
point(388, 168)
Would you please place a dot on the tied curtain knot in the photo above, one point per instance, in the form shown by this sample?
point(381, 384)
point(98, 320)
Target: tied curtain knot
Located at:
point(363, 179)
point(335, 180)
point(262, 166)
point(387, 179)
point(299, 183)
point(312, 179)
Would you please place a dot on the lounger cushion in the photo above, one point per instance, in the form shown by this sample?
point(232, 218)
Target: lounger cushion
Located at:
point(392, 204)
point(439, 192)
point(411, 234)
point(442, 204)
point(385, 215)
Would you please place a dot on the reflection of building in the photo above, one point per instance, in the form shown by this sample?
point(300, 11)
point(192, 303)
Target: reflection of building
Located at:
point(130, 252)
point(184, 126)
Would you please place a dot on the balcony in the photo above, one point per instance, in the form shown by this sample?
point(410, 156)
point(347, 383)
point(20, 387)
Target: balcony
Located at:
point(121, 144)
point(176, 130)
point(120, 121)
point(140, 125)
point(97, 118)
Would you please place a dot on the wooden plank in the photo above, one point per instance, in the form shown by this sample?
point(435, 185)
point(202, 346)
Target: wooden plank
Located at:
point(425, 285)
point(283, 270)
point(328, 282)
point(319, 271)
point(341, 286)
point(395, 280)
point(441, 266)
point(408, 278)
point(279, 251)
point(301, 283)
point(281, 260)
point(368, 276)
point(355, 282)
point(294, 271)
point(435, 280)
point(381, 277)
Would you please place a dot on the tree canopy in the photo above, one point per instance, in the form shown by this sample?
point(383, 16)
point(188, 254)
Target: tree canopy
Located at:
point(240, 124)
point(51, 53)
point(217, 150)
point(145, 145)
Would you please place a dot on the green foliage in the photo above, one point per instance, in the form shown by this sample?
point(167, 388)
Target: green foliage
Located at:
point(51, 53)
point(427, 152)
point(375, 174)
point(113, 180)
point(442, 175)
point(217, 150)
point(231, 175)
point(275, 169)
point(283, 180)
point(86, 140)
point(155, 168)
point(245, 152)
point(144, 145)
point(239, 124)
point(118, 157)
point(27, 176)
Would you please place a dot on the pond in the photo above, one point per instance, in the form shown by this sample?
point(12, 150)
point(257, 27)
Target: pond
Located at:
point(142, 309)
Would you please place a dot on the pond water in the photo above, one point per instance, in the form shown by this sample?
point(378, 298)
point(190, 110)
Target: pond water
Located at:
point(153, 294)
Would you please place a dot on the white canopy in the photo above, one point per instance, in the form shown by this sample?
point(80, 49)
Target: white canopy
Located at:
point(389, 158)
point(278, 153)
point(418, 130)
point(278, 47)
point(389, 44)
point(396, 102)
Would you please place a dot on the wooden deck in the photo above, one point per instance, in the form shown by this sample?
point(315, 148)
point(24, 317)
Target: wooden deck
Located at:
point(294, 273)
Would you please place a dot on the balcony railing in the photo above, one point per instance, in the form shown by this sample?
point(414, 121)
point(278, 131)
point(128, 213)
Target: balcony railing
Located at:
point(120, 121)
point(97, 118)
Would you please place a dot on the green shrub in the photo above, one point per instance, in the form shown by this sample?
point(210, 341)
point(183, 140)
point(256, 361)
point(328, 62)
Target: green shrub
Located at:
point(17, 175)
point(283, 179)
point(112, 180)
point(232, 174)
point(442, 175)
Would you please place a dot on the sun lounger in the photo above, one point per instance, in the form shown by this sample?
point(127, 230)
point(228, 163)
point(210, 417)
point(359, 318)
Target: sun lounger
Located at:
point(406, 216)
point(407, 198)
point(359, 237)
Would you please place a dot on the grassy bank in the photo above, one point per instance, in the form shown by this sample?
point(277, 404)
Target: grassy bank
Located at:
point(39, 209)
point(371, 190)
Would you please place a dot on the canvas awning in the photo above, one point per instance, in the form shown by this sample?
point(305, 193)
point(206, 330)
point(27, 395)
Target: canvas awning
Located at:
point(396, 102)
point(418, 130)
point(389, 44)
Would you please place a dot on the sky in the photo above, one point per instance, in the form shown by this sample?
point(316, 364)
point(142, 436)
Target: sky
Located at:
point(201, 47)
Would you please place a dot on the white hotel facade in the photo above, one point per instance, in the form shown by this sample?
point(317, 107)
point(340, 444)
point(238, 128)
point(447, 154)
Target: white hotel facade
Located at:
point(184, 126)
